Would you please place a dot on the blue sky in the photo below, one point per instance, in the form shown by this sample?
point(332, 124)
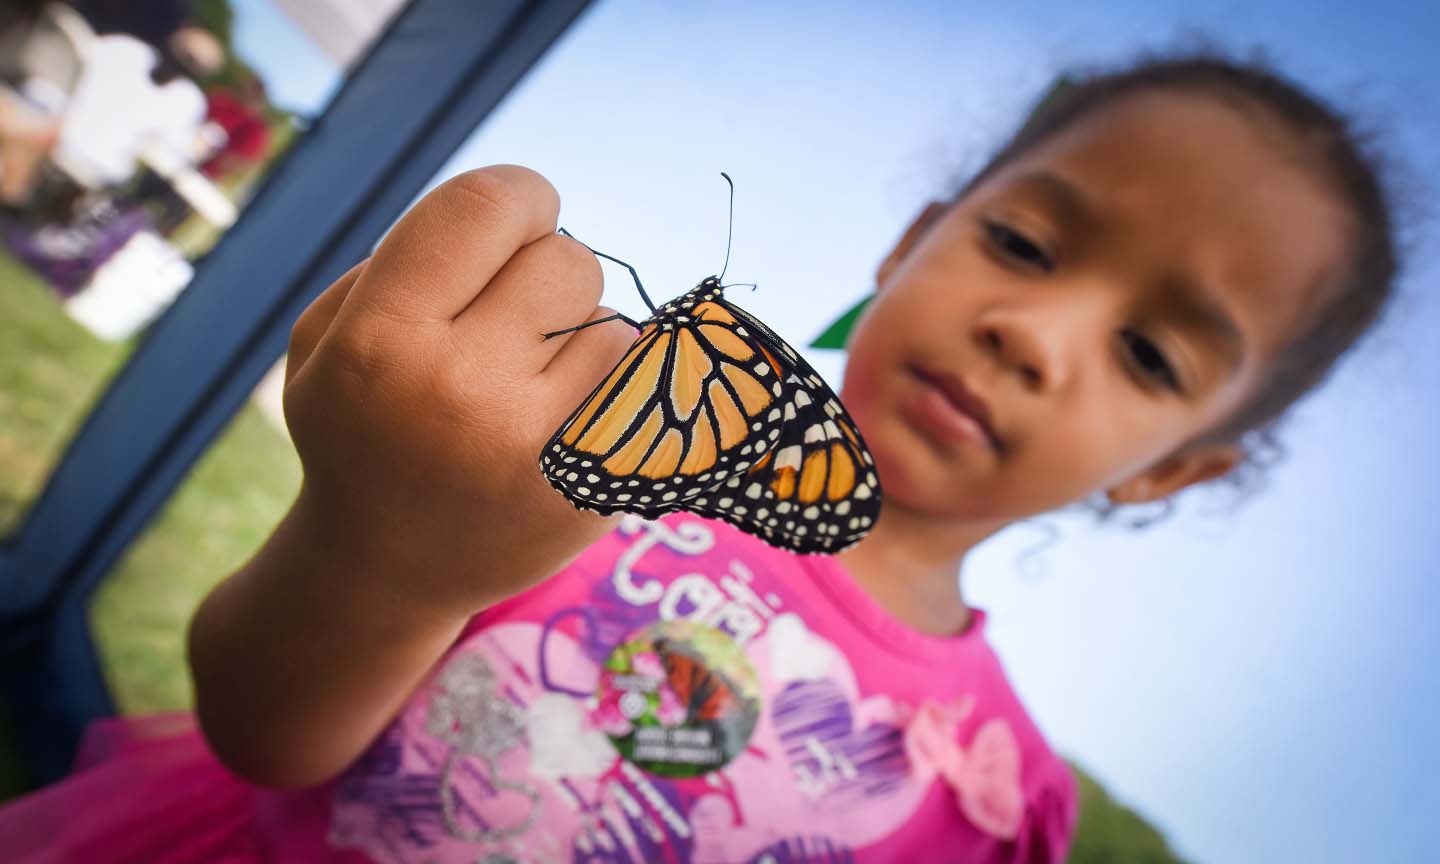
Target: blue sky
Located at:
point(1261, 685)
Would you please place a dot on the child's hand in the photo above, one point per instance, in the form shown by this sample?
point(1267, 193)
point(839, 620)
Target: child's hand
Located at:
point(419, 394)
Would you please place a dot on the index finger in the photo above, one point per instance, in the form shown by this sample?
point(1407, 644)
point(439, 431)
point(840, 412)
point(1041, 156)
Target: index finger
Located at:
point(443, 252)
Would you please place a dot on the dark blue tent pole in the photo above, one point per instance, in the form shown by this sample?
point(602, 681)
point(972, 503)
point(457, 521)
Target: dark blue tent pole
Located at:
point(439, 69)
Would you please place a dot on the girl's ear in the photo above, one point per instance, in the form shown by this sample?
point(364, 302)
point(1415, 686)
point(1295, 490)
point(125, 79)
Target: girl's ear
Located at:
point(1176, 472)
point(929, 216)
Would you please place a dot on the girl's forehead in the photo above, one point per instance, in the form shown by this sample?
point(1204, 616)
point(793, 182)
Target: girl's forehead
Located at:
point(1176, 144)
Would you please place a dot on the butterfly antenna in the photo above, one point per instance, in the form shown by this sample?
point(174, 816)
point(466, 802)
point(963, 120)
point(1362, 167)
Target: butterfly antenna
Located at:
point(731, 233)
point(633, 274)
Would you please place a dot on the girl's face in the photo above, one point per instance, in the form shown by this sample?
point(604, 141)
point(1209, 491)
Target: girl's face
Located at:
point(1106, 296)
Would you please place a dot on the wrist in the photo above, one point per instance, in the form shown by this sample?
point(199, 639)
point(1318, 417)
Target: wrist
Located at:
point(372, 560)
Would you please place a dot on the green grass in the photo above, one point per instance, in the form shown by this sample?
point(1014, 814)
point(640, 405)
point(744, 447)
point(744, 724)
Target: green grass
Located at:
point(1111, 833)
point(51, 370)
point(221, 513)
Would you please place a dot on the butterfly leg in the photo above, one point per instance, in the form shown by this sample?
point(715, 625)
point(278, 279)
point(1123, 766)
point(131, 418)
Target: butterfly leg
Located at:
point(615, 317)
point(633, 274)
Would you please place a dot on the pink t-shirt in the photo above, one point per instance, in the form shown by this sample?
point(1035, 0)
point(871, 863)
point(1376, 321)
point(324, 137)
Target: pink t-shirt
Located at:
point(683, 692)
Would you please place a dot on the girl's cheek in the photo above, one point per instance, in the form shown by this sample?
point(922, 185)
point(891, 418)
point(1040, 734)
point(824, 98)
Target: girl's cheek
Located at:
point(861, 394)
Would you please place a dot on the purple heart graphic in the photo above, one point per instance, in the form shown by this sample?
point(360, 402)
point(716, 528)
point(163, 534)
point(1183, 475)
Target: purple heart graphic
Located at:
point(804, 850)
point(829, 758)
point(588, 641)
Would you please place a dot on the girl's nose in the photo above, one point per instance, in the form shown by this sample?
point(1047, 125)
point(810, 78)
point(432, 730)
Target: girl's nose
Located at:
point(1014, 348)
point(1038, 341)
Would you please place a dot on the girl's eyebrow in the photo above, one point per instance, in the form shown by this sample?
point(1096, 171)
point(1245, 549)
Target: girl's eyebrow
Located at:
point(1063, 194)
point(1200, 307)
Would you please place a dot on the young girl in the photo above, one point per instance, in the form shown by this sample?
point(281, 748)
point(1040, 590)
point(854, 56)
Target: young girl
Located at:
point(436, 658)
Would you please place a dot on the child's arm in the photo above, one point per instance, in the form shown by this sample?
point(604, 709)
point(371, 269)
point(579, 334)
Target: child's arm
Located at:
point(418, 394)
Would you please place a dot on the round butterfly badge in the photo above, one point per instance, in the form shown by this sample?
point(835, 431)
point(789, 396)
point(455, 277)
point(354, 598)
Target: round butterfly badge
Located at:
point(711, 412)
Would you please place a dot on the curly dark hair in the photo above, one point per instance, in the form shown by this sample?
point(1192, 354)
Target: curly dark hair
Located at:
point(1339, 155)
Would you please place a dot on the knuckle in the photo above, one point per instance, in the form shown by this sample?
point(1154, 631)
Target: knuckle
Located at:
point(504, 189)
point(492, 190)
point(621, 338)
point(449, 386)
point(361, 351)
point(578, 265)
point(298, 340)
point(306, 330)
point(563, 273)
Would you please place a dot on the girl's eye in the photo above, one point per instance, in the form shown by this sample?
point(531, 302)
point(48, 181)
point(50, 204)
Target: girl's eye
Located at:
point(1018, 246)
point(1151, 361)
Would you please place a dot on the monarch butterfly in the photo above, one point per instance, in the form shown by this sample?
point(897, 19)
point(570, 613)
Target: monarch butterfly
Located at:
point(711, 412)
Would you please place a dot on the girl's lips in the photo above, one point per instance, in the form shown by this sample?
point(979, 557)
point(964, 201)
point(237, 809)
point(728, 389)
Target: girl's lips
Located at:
point(943, 406)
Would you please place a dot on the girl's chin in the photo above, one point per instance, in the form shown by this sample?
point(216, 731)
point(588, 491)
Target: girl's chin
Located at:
point(915, 473)
point(915, 480)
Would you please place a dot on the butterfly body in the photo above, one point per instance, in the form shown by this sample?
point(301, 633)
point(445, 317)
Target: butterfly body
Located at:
point(711, 412)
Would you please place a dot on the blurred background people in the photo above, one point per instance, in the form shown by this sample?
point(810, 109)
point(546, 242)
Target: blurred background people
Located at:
point(41, 57)
point(133, 106)
point(151, 21)
point(238, 112)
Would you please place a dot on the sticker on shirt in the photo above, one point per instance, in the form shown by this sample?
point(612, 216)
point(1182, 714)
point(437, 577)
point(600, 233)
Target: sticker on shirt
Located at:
point(678, 698)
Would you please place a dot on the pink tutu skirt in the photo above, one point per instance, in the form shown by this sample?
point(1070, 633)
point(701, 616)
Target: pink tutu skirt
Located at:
point(148, 789)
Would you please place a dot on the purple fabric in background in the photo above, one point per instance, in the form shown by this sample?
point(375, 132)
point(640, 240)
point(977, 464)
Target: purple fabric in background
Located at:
point(66, 256)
